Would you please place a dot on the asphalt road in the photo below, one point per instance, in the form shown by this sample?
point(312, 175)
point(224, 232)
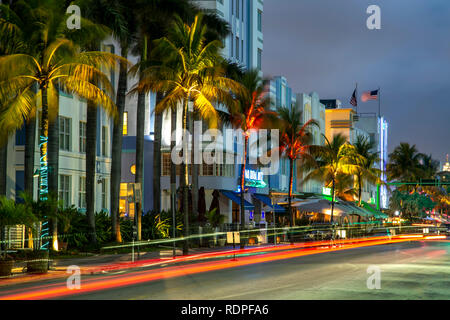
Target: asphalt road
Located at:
point(410, 270)
point(415, 270)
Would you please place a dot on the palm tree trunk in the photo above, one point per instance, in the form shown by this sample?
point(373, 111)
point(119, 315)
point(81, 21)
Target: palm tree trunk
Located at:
point(195, 169)
point(138, 178)
point(359, 189)
point(173, 174)
point(53, 165)
point(332, 199)
point(140, 123)
point(30, 143)
point(43, 176)
point(157, 158)
point(116, 161)
point(291, 182)
point(186, 178)
point(91, 155)
point(3, 168)
point(243, 183)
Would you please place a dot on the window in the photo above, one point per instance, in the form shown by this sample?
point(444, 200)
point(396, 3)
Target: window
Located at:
point(242, 49)
point(259, 20)
point(20, 185)
point(64, 190)
point(237, 48)
point(20, 136)
point(104, 141)
point(104, 205)
point(232, 6)
point(82, 137)
point(82, 192)
point(125, 123)
point(259, 59)
point(237, 9)
point(232, 45)
point(64, 133)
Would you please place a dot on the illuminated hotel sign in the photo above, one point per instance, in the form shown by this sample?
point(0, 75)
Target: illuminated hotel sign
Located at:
point(254, 178)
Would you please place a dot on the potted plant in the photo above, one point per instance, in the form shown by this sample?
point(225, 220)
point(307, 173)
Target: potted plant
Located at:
point(215, 219)
point(10, 214)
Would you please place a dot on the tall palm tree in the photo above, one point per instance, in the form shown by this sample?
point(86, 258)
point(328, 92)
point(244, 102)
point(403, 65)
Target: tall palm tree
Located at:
point(428, 165)
point(13, 39)
point(295, 142)
point(125, 39)
point(154, 19)
point(108, 14)
point(404, 165)
point(60, 66)
point(190, 74)
point(332, 159)
point(365, 160)
point(251, 112)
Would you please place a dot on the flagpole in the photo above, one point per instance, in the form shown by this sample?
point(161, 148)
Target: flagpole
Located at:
point(379, 102)
point(356, 97)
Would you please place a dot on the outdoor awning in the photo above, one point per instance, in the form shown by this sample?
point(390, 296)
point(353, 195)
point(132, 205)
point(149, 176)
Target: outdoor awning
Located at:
point(320, 206)
point(266, 200)
point(236, 198)
point(377, 214)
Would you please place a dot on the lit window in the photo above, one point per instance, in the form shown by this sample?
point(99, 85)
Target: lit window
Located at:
point(125, 123)
point(133, 169)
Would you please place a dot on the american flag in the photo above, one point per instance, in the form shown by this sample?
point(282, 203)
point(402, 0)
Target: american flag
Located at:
point(353, 101)
point(369, 95)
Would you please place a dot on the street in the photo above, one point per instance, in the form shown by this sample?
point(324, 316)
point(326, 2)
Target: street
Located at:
point(409, 270)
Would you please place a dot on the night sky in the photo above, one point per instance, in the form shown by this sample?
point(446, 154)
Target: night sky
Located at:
point(325, 46)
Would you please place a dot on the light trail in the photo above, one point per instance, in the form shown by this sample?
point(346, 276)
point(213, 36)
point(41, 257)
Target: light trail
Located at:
point(115, 281)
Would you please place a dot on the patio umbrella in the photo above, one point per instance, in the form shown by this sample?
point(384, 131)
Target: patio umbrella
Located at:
point(201, 205)
point(215, 202)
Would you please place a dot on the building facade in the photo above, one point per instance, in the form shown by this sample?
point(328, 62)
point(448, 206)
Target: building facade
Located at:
point(244, 46)
point(312, 109)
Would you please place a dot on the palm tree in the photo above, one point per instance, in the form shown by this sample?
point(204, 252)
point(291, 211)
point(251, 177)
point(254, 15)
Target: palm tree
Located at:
point(125, 38)
point(295, 142)
point(105, 13)
point(365, 160)
point(154, 18)
point(404, 165)
point(60, 66)
point(428, 165)
point(190, 74)
point(332, 159)
point(12, 40)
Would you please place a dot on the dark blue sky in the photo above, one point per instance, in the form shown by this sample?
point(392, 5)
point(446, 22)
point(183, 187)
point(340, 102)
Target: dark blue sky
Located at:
point(325, 46)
